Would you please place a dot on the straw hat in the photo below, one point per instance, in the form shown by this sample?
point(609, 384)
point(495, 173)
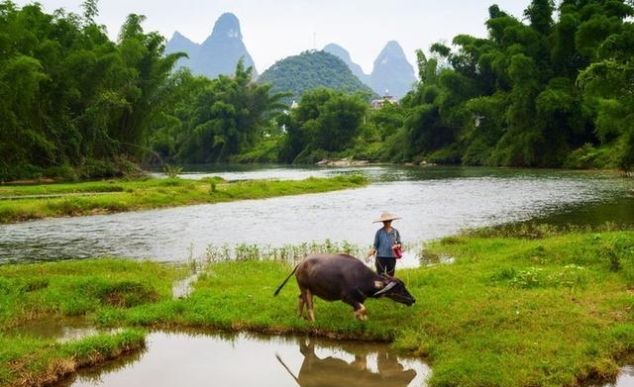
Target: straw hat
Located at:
point(386, 216)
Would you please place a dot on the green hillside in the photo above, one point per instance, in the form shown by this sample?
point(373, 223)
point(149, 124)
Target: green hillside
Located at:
point(309, 70)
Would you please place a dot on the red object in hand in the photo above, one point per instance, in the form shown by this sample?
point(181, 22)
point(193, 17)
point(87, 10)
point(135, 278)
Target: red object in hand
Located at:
point(398, 253)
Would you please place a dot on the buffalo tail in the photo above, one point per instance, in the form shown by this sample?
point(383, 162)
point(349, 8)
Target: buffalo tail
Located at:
point(277, 291)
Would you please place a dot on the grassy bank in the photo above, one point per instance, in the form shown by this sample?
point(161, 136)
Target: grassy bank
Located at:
point(73, 288)
point(511, 311)
point(20, 203)
point(26, 361)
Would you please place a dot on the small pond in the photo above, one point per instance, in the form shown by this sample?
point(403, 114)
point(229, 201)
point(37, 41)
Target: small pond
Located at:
point(184, 359)
point(195, 358)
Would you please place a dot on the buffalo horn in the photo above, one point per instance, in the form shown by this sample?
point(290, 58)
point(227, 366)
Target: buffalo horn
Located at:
point(386, 289)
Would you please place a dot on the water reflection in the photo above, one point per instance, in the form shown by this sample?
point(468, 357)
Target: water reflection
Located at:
point(619, 210)
point(61, 329)
point(331, 370)
point(245, 360)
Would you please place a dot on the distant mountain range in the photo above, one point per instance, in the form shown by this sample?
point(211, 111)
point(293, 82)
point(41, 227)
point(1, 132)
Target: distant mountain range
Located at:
point(392, 73)
point(220, 52)
point(309, 70)
point(344, 55)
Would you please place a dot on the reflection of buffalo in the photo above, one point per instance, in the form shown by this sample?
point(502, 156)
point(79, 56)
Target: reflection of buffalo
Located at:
point(331, 371)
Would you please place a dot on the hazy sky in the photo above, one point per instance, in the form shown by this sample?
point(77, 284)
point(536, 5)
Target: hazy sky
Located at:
point(274, 29)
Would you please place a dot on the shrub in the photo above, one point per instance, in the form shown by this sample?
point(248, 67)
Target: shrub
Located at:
point(172, 171)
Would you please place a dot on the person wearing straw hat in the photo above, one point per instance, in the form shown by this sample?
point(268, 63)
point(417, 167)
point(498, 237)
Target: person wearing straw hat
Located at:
point(387, 245)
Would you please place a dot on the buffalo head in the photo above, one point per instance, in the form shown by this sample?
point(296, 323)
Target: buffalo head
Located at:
point(395, 290)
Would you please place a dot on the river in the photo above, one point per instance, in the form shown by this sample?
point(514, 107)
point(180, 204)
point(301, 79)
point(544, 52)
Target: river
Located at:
point(433, 202)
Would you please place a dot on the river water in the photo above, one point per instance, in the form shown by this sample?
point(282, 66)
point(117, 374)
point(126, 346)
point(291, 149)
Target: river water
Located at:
point(433, 202)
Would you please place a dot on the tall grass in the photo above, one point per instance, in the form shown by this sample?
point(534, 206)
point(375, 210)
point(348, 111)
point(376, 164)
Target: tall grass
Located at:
point(291, 253)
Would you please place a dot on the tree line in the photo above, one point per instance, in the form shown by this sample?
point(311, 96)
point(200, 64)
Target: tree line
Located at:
point(71, 97)
point(555, 89)
point(75, 104)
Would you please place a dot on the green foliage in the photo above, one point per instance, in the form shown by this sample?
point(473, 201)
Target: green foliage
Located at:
point(530, 94)
point(589, 156)
point(552, 90)
point(49, 291)
point(172, 171)
point(214, 120)
point(325, 121)
point(91, 10)
point(608, 83)
point(69, 95)
point(570, 276)
point(311, 70)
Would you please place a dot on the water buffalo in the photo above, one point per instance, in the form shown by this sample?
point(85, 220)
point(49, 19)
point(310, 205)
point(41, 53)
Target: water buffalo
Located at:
point(346, 278)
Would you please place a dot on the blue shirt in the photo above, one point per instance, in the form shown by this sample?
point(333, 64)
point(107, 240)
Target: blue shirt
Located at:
point(383, 242)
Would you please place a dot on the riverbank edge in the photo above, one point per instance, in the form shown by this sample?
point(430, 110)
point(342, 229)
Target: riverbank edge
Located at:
point(66, 359)
point(352, 162)
point(228, 297)
point(115, 196)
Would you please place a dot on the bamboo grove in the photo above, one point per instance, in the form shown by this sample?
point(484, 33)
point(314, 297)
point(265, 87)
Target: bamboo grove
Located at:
point(555, 89)
point(552, 88)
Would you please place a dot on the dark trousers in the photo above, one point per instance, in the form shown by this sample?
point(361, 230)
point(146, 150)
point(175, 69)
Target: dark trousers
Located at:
point(385, 265)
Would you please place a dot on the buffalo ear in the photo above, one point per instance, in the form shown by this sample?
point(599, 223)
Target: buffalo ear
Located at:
point(386, 289)
point(379, 284)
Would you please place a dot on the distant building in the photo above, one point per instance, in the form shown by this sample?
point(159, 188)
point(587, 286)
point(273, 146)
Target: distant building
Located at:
point(387, 98)
point(294, 105)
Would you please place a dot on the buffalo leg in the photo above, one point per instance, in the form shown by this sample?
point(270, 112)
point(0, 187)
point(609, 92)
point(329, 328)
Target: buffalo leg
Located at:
point(301, 303)
point(310, 305)
point(360, 312)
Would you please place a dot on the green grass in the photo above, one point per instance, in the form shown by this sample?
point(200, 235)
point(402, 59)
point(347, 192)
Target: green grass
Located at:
point(26, 361)
point(78, 287)
point(511, 311)
point(72, 288)
point(89, 198)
